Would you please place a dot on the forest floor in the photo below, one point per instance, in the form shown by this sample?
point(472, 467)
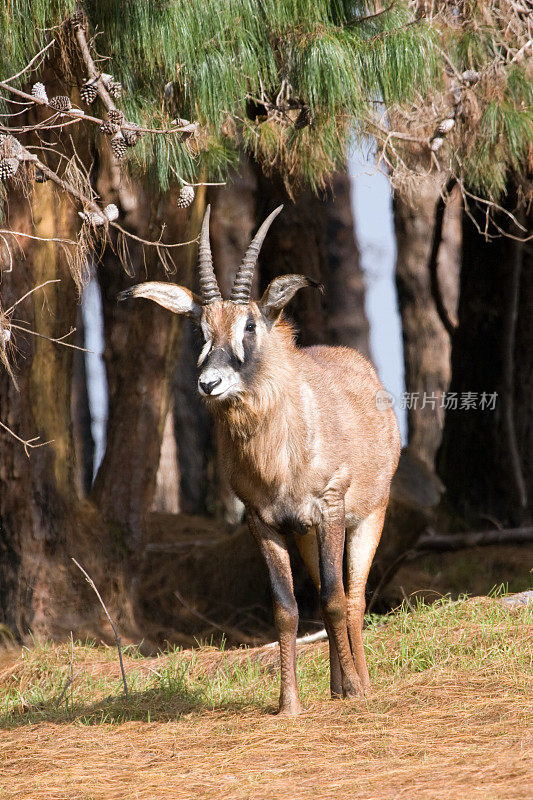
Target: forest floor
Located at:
point(448, 717)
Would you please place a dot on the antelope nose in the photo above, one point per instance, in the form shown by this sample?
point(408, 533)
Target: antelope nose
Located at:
point(208, 386)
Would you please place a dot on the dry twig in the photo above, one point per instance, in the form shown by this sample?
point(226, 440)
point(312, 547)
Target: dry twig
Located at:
point(115, 631)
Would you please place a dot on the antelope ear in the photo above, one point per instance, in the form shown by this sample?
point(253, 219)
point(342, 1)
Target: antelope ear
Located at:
point(169, 295)
point(280, 291)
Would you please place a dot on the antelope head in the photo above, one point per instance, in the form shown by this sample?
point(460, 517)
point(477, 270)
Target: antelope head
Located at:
point(239, 333)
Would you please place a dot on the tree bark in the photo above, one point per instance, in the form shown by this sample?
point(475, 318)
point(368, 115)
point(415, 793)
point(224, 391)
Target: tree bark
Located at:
point(426, 343)
point(315, 236)
point(41, 517)
point(167, 491)
point(296, 243)
point(140, 355)
point(81, 416)
point(485, 459)
point(345, 286)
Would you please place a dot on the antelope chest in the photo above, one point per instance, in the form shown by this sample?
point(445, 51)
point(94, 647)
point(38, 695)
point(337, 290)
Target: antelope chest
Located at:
point(287, 497)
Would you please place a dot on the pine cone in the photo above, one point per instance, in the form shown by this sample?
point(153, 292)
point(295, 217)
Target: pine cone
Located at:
point(11, 148)
point(115, 89)
point(8, 167)
point(436, 143)
point(5, 334)
point(108, 129)
point(445, 126)
point(115, 116)
point(131, 137)
point(118, 145)
point(111, 212)
point(92, 217)
point(39, 92)
point(186, 196)
point(88, 91)
point(61, 103)
point(470, 76)
point(188, 129)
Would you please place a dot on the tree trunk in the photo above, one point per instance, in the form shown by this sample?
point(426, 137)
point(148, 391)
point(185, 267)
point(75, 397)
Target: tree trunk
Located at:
point(41, 519)
point(485, 460)
point(315, 237)
point(295, 243)
point(81, 415)
point(140, 356)
point(345, 287)
point(426, 343)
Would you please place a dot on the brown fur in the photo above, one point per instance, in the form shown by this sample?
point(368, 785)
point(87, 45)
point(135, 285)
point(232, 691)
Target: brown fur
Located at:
point(266, 430)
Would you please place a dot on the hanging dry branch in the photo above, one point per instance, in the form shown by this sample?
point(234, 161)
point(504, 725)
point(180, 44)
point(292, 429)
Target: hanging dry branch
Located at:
point(26, 443)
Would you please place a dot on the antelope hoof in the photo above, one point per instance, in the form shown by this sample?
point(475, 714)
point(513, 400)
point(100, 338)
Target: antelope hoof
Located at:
point(353, 691)
point(290, 709)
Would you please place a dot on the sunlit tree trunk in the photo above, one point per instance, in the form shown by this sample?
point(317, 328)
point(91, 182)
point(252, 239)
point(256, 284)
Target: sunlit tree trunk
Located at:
point(426, 343)
point(141, 356)
point(42, 521)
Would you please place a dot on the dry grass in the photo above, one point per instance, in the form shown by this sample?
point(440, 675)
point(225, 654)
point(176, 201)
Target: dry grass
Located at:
point(447, 719)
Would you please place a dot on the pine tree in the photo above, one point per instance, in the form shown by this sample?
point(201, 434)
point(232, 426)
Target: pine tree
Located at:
point(479, 120)
point(290, 81)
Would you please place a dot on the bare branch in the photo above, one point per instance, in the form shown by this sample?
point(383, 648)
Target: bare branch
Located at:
point(29, 64)
point(51, 339)
point(31, 291)
point(26, 443)
point(77, 117)
point(91, 205)
point(6, 232)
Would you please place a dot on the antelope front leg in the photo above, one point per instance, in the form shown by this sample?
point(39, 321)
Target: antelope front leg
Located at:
point(274, 550)
point(331, 533)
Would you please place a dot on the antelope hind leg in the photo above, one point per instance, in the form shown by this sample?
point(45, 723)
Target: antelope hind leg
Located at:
point(308, 546)
point(331, 535)
point(361, 544)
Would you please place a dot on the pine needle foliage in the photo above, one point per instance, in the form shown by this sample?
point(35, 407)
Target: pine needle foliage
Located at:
point(209, 62)
point(491, 141)
point(499, 138)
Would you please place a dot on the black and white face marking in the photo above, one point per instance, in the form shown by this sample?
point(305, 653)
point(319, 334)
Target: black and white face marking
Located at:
point(228, 360)
point(208, 343)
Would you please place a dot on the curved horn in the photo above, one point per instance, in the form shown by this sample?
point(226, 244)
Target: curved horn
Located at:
point(208, 282)
point(242, 286)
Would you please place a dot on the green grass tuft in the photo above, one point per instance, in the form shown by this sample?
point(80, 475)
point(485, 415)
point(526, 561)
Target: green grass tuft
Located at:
point(478, 636)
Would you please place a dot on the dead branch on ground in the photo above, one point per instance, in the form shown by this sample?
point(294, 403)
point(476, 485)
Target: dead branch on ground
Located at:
point(113, 626)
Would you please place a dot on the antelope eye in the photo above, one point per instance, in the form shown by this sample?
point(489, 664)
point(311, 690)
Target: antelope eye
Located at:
point(250, 327)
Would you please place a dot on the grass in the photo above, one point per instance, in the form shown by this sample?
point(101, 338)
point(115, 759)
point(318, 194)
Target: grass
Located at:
point(447, 717)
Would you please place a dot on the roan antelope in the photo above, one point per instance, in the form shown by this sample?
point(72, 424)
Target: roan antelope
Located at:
point(306, 447)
